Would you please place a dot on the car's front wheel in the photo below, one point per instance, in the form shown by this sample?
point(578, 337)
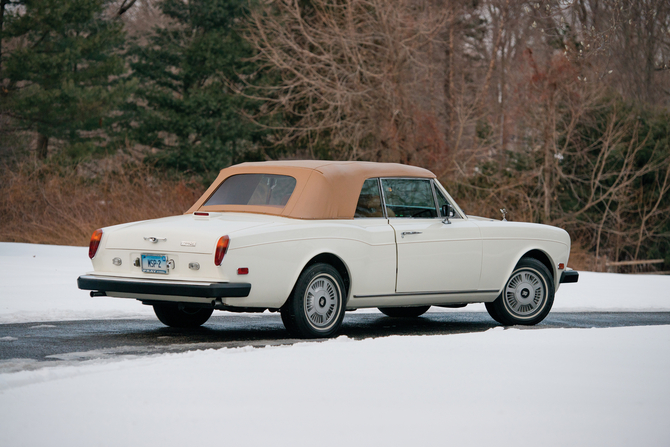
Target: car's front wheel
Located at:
point(182, 316)
point(316, 306)
point(527, 296)
point(404, 312)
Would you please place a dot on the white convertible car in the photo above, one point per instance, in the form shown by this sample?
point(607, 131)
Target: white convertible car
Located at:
point(312, 239)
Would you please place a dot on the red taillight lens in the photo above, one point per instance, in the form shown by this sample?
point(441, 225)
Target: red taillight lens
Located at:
point(95, 243)
point(221, 249)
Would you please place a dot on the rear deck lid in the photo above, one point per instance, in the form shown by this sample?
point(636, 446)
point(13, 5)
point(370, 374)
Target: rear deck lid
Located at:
point(179, 234)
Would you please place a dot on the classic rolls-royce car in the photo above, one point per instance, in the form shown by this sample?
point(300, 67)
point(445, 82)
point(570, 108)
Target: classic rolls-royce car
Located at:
point(313, 239)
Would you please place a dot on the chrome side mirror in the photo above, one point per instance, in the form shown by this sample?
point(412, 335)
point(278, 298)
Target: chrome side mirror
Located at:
point(447, 211)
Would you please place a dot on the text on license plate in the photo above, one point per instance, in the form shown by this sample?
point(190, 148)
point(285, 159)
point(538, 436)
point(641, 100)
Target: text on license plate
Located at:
point(155, 264)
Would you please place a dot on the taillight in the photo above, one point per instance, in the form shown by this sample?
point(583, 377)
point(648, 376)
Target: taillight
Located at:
point(95, 243)
point(221, 249)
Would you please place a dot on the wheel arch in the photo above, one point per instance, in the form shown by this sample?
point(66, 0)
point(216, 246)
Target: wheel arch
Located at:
point(544, 258)
point(338, 264)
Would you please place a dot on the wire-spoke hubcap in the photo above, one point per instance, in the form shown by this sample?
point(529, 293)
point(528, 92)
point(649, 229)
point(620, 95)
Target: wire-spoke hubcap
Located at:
point(322, 301)
point(525, 293)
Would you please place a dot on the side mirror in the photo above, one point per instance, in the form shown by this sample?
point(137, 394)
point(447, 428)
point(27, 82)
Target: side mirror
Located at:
point(447, 211)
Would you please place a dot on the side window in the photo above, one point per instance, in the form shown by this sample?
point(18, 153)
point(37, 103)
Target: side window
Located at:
point(409, 198)
point(369, 202)
point(441, 201)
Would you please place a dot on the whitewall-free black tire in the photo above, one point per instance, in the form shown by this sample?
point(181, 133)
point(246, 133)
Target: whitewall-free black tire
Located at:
point(181, 315)
point(404, 312)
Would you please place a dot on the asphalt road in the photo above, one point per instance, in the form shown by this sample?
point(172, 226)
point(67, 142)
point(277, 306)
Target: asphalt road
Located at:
point(34, 345)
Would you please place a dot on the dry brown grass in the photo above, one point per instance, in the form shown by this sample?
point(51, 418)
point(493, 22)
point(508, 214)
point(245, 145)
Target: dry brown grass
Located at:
point(45, 205)
point(581, 259)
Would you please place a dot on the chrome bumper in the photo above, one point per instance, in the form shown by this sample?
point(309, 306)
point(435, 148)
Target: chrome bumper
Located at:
point(99, 285)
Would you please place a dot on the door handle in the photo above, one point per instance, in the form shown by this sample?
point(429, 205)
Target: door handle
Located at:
point(409, 232)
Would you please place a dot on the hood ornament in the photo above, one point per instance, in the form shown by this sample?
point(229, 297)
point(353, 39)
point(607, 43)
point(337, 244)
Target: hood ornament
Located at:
point(154, 239)
point(504, 213)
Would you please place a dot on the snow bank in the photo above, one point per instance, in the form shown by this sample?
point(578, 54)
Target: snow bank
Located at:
point(554, 387)
point(39, 283)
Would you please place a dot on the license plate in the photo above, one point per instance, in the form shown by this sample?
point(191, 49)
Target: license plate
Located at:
point(155, 264)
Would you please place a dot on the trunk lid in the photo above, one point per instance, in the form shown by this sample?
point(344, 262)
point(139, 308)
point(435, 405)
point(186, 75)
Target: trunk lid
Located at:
point(180, 234)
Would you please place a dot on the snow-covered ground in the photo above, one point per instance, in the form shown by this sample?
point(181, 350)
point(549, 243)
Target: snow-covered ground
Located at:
point(502, 387)
point(39, 283)
point(552, 387)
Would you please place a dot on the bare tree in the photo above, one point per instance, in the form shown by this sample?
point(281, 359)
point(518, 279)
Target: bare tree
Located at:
point(354, 72)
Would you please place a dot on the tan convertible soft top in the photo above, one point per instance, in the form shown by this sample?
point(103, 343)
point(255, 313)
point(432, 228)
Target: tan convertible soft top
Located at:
point(324, 189)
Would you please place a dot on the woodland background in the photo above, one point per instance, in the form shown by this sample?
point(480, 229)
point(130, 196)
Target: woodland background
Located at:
point(557, 111)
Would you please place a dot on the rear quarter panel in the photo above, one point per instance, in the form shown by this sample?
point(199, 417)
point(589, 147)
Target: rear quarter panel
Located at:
point(276, 255)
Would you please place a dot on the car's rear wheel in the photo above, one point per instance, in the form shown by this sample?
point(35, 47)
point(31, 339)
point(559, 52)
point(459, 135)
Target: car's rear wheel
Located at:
point(182, 316)
point(316, 306)
point(527, 296)
point(404, 312)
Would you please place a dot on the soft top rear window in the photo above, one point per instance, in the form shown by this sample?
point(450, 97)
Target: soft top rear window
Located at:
point(253, 189)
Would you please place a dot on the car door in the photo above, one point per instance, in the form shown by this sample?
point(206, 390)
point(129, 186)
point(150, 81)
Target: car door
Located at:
point(433, 255)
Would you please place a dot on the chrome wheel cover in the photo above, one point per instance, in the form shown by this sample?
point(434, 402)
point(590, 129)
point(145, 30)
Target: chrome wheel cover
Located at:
point(525, 293)
point(322, 302)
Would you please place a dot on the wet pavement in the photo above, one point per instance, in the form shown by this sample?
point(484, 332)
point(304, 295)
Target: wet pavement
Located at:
point(32, 345)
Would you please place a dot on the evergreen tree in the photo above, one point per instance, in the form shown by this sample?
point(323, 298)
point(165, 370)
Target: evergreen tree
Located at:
point(186, 106)
point(60, 67)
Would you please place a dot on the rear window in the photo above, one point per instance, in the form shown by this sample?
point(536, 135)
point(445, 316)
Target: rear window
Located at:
point(254, 189)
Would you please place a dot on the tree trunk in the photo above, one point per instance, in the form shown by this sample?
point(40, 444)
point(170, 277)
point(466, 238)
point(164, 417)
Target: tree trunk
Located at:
point(449, 86)
point(2, 24)
point(549, 136)
point(42, 146)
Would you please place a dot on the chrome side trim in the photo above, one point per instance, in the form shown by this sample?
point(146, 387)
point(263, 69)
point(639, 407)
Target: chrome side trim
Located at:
point(460, 292)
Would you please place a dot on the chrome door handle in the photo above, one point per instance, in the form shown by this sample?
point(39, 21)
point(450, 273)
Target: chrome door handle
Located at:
point(409, 232)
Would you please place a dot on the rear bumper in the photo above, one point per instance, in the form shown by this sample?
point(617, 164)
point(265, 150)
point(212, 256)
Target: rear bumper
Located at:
point(170, 288)
point(569, 276)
